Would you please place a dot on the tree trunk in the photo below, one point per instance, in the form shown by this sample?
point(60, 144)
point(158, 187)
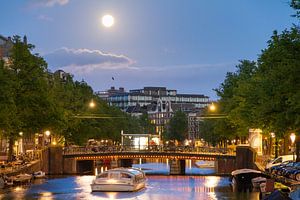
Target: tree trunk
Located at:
point(10, 148)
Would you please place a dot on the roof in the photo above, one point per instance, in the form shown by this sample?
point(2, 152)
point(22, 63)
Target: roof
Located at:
point(3, 38)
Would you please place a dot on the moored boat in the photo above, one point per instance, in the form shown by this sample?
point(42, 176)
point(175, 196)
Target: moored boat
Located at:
point(242, 179)
point(39, 174)
point(119, 180)
point(22, 179)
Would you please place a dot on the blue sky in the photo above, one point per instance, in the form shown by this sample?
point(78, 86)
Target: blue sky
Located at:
point(187, 45)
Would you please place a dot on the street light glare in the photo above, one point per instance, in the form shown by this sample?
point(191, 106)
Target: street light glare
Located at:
point(293, 137)
point(92, 104)
point(47, 133)
point(212, 107)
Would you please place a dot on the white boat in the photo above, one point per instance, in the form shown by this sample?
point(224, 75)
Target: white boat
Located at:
point(39, 174)
point(119, 180)
point(22, 178)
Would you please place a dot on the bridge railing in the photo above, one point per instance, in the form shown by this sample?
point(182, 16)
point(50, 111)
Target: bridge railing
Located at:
point(152, 148)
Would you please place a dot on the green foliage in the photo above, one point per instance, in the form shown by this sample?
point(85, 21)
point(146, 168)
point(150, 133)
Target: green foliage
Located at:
point(33, 100)
point(177, 127)
point(237, 97)
point(266, 95)
point(145, 123)
point(296, 5)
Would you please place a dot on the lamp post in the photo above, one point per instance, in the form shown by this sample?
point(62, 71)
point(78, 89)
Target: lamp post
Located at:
point(293, 138)
point(21, 142)
point(48, 134)
point(271, 145)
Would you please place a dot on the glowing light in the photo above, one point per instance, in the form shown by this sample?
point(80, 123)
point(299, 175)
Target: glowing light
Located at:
point(272, 135)
point(47, 133)
point(293, 137)
point(211, 181)
point(92, 104)
point(108, 21)
point(212, 107)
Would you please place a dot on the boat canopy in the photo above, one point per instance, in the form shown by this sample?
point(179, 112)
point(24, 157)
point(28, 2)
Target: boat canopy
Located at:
point(244, 171)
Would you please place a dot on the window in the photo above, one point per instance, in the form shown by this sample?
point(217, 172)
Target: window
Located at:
point(114, 176)
point(104, 175)
point(124, 175)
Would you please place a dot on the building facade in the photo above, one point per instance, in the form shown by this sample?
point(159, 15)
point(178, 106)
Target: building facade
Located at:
point(148, 95)
point(160, 104)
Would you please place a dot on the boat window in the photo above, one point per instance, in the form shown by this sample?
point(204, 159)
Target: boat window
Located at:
point(114, 175)
point(103, 175)
point(124, 175)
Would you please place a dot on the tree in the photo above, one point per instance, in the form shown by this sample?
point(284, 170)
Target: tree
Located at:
point(296, 5)
point(145, 124)
point(30, 107)
point(238, 97)
point(177, 127)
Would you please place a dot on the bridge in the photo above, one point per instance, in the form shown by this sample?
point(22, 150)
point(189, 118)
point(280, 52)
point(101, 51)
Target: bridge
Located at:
point(74, 160)
point(125, 156)
point(178, 152)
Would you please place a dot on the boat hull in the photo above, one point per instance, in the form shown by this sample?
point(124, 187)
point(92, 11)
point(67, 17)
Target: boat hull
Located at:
point(117, 187)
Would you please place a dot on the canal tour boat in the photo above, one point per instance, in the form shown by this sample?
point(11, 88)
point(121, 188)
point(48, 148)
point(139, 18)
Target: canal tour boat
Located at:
point(119, 180)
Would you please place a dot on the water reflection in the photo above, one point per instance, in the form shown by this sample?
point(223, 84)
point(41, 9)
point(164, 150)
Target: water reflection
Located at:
point(158, 187)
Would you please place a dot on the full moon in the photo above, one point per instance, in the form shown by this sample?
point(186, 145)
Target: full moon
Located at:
point(108, 20)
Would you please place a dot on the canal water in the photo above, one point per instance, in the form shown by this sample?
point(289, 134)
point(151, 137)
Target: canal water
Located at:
point(159, 187)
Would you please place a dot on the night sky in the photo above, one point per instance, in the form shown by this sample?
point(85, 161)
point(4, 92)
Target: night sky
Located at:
point(188, 45)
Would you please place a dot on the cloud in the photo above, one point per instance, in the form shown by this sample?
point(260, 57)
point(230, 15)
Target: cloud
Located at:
point(48, 3)
point(193, 78)
point(80, 61)
point(45, 18)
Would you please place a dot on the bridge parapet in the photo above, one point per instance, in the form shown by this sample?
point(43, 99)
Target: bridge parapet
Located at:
point(177, 149)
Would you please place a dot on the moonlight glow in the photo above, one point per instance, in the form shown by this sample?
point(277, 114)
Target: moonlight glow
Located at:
point(108, 20)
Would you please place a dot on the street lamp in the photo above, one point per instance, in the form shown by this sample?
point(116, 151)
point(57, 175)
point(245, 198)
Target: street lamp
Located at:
point(293, 138)
point(212, 107)
point(20, 143)
point(48, 134)
point(271, 144)
point(92, 104)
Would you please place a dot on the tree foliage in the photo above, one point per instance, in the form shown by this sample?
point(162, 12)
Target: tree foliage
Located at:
point(177, 127)
point(32, 100)
point(265, 94)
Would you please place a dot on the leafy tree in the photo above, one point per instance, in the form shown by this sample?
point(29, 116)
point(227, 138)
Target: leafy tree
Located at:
point(238, 97)
point(296, 5)
point(145, 124)
point(26, 105)
point(177, 127)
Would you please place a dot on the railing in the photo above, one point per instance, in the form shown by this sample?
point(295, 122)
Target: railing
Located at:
point(145, 149)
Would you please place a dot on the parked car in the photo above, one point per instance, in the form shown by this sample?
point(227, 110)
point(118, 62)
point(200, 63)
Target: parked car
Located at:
point(286, 170)
point(274, 169)
point(291, 172)
point(295, 174)
point(279, 160)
